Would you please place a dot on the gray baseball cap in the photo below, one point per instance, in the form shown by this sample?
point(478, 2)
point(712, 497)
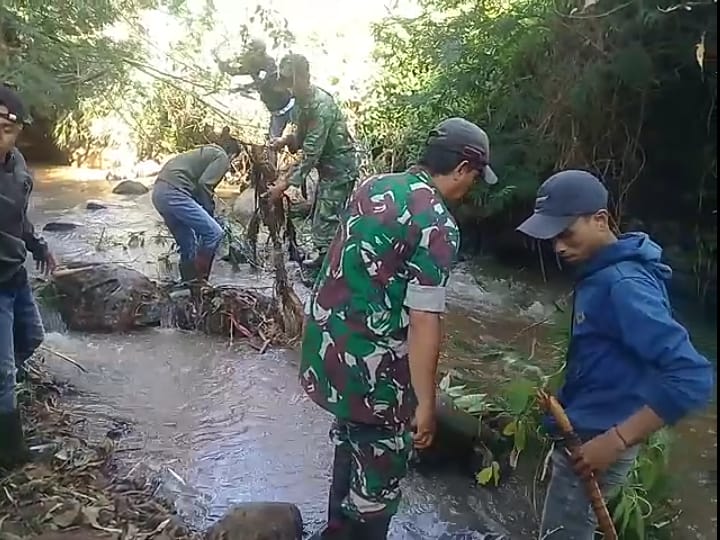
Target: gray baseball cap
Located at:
point(467, 139)
point(561, 199)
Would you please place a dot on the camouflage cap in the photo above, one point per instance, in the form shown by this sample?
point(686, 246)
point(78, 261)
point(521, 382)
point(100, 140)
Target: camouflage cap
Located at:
point(464, 137)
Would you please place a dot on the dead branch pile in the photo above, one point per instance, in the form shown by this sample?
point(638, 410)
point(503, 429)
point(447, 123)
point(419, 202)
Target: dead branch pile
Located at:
point(70, 487)
point(235, 313)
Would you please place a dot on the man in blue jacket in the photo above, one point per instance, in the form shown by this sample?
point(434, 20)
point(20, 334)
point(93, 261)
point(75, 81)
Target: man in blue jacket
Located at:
point(631, 368)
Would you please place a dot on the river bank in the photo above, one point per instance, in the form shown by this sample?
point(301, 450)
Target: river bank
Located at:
point(74, 489)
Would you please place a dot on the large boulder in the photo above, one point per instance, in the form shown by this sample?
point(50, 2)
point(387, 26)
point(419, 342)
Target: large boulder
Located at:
point(130, 187)
point(105, 297)
point(259, 521)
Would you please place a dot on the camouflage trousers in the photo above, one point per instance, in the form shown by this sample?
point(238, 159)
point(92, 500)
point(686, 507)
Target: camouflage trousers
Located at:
point(370, 461)
point(330, 200)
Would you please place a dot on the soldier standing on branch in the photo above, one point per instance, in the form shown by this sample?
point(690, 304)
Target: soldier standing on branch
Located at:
point(372, 333)
point(322, 135)
point(258, 64)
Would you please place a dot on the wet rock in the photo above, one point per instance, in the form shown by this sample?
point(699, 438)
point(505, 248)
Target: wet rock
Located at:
point(244, 206)
point(130, 187)
point(259, 521)
point(95, 205)
point(462, 441)
point(60, 226)
point(105, 297)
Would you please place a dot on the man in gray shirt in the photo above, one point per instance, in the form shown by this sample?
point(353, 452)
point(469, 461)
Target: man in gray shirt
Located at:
point(183, 195)
point(21, 330)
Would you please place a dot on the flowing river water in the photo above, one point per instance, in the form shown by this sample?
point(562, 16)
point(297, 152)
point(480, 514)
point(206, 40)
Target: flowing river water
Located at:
point(221, 423)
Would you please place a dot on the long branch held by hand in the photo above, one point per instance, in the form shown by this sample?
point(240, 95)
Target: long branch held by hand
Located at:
point(551, 405)
point(273, 215)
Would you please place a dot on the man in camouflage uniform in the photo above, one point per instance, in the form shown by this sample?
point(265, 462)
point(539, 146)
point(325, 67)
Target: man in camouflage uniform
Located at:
point(258, 64)
point(372, 333)
point(322, 135)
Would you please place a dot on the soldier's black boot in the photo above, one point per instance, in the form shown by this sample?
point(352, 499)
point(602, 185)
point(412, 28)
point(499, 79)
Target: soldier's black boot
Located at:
point(13, 448)
point(374, 528)
point(187, 271)
point(337, 527)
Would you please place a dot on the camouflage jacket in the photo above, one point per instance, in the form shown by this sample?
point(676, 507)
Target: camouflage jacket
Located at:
point(393, 251)
point(322, 135)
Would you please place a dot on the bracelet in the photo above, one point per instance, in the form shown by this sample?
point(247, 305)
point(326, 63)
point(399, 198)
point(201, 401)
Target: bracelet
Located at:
point(620, 436)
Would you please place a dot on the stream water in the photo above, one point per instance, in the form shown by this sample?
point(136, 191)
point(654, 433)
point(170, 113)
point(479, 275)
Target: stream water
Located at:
point(223, 424)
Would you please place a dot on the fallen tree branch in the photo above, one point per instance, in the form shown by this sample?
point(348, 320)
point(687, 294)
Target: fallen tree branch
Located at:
point(63, 357)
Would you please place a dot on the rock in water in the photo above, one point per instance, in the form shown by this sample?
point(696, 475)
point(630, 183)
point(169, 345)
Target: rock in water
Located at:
point(105, 297)
point(244, 206)
point(60, 226)
point(130, 187)
point(463, 441)
point(95, 205)
point(259, 521)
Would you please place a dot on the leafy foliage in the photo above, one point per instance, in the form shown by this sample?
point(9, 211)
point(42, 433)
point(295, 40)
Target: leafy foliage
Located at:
point(614, 88)
point(640, 509)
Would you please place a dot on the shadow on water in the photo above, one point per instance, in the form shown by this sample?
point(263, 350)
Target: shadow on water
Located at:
point(222, 424)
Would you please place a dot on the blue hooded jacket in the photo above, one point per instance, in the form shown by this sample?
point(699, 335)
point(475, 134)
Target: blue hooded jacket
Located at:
point(626, 350)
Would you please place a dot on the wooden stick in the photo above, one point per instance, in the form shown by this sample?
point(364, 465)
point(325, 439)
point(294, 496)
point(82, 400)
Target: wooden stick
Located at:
point(553, 407)
point(63, 357)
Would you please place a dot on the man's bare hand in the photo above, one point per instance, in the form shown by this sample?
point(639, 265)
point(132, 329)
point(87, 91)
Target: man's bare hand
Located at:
point(598, 454)
point(278, 143)
point(276, 191)
point(47, 265)
point(425, 425)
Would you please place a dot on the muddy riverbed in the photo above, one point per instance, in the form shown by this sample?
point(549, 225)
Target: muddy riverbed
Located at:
point(222, 423)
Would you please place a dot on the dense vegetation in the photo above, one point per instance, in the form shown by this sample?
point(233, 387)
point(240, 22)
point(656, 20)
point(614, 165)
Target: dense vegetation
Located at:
point(626, 89)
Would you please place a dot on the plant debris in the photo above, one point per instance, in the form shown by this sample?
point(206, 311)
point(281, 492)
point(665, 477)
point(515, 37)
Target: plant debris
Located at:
point(71, 490)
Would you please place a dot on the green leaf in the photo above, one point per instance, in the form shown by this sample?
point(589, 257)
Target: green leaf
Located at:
point(619, 512)
point(445, 383)
point(639, 522)
point(510, 429)
point(484, 476)
point(518, 394)
point(521, 436)
point(472, 403)
point(496, 472)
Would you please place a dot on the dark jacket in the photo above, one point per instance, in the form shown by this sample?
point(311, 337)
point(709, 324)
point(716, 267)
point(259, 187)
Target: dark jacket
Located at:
point(17, 234)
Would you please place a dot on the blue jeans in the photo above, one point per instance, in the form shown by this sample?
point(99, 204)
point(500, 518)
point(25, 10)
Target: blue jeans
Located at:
point(191, 226)
point(567, 514)
point(21, 333)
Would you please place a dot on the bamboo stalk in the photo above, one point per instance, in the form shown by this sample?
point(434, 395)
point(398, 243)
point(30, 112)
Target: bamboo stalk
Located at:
point(552, 406)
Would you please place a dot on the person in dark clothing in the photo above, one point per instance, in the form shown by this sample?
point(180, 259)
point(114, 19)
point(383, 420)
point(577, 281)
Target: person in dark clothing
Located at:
point(183, 196)
point(21, 330)
point(631, 368)
point(259, 65)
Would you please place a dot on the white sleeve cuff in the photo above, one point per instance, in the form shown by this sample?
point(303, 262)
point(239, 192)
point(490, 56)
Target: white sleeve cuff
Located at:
point(425, 298)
